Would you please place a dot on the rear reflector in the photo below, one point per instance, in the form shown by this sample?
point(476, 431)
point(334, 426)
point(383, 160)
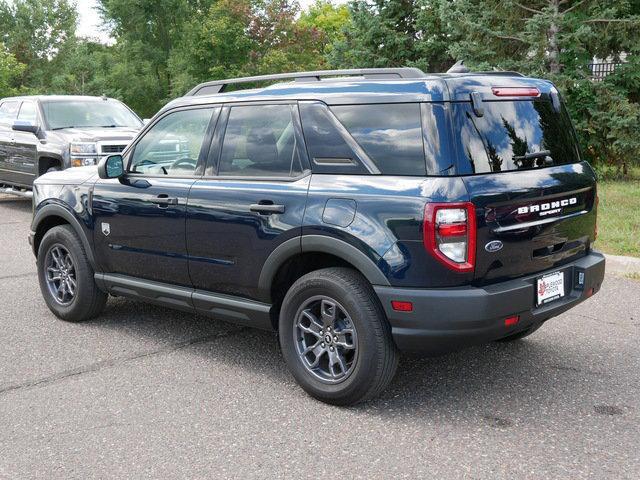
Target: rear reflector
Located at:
point(402, 306)
point(511, 321)
point(515, 91)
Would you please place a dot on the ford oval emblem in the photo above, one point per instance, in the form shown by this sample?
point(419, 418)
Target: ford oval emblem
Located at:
point(493, 246)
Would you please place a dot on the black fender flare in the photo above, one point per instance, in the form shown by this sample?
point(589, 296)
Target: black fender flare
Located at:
point(56, 210)
point(321, 244)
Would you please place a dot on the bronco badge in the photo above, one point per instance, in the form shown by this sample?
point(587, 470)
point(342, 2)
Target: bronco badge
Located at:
point(106, 229)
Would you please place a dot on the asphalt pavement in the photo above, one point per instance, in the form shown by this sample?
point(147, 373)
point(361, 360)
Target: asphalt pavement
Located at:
point(145, 392)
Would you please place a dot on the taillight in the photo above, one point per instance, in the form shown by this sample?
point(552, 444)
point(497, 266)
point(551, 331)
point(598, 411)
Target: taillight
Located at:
point(515, 91)
point(450, 234)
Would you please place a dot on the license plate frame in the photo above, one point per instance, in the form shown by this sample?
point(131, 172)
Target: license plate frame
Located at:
point(549, 288)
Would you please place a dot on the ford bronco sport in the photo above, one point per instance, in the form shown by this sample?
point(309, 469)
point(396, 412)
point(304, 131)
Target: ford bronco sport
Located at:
point(39, 134)
point(358, 212)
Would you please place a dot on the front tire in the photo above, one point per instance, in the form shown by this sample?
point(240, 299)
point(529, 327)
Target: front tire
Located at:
point(66, 277)
point(335, 337)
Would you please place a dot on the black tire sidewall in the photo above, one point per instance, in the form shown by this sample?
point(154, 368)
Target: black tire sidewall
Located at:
point(359, 309)
point(64, 236)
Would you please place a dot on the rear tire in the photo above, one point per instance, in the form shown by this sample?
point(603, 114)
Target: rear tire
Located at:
point(334, 315)
point(66, 277)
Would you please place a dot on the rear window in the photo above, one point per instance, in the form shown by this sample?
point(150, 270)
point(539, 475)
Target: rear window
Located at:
point(513, 135)
point(390, 134)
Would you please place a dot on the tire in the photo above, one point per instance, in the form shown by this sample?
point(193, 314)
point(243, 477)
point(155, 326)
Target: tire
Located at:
point(86, 301)
point(520, 335)
point(358, 374)
point(53, 169)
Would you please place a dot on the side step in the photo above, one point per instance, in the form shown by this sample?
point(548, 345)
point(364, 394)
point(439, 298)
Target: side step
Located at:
point(16, 192)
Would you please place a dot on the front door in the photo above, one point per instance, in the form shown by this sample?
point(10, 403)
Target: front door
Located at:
point(139, 227)
point(24, 150)
point(8, 113)
point(251, 200)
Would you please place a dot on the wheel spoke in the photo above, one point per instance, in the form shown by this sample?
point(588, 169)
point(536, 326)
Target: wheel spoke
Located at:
point(53, 274)
point(318, 351)
point(345, 339)
point(314, 327)
point(328, 311)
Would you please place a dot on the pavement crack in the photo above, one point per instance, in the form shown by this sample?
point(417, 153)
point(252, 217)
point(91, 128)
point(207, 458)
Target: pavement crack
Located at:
point(97, 366)
point(19, 275)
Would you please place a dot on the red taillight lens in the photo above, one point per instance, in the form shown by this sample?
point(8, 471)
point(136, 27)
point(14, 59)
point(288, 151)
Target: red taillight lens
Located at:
point(515, 91)
point(449, 231)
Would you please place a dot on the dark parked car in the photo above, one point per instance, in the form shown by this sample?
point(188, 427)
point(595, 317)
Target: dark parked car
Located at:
point(39, 134)
point(359, 213)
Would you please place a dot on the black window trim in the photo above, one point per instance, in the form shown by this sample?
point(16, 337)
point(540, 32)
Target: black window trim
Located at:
point(358, 151)
point(215, 152)
point(206, 142)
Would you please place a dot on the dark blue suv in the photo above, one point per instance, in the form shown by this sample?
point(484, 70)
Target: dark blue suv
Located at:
point(357, 212)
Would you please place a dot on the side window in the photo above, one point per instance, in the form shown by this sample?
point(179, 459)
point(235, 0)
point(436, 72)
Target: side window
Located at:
point(390, 134)
point(260, 141)
point(8, 111)
point(172, 146)
point(328, 148)
point(28, 112)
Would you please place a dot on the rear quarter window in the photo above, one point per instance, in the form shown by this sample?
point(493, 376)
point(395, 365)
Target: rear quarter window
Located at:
point(390, 134)
point(513, 135)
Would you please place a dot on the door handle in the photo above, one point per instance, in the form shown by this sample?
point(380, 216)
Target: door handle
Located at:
point(266, 208)
point(163, 200)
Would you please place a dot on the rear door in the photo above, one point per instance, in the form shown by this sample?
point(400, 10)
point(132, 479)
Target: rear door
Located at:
point(140, 218)
point(251, 199)
point(534, 197)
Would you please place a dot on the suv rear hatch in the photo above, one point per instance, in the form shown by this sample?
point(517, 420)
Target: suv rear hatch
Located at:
point(520, 161)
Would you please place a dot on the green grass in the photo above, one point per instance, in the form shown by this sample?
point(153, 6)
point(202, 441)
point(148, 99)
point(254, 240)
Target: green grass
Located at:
point(619, 216)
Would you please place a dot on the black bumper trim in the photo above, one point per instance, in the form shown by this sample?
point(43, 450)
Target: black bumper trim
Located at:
point(450, 318)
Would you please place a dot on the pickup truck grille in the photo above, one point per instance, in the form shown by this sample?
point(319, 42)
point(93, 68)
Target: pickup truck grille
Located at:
point(108, 149)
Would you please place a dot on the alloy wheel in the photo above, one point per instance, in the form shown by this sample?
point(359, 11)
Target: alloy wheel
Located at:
point(326, 339)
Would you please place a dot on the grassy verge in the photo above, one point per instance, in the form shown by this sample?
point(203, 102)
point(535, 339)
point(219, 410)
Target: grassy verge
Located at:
point(619, 216)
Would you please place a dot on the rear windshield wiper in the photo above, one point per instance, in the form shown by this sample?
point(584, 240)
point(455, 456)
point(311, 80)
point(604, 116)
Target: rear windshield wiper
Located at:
point(530, 156)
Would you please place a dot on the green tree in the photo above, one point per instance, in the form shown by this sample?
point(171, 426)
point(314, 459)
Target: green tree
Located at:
point(36, 32)
point(244, 37)
point(10, 71)
point(328, 19)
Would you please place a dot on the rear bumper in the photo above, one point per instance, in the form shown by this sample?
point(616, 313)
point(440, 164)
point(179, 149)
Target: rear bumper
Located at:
point(450, 318)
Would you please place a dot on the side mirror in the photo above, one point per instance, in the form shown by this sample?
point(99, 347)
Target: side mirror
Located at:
point(111, 167)
point(25, 126)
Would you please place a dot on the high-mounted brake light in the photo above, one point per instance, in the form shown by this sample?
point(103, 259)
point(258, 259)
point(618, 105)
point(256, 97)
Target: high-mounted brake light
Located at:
point(449, 234)
point(515, 91)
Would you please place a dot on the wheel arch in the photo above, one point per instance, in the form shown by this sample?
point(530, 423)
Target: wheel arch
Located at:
point(314, 252)
point(53, 215)
point(47, 161)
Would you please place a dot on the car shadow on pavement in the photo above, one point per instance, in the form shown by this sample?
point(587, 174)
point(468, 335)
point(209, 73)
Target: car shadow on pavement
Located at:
point(496, 380)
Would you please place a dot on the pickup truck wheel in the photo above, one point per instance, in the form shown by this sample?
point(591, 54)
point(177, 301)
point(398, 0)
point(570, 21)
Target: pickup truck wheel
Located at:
point(335, 337)
point(66, 277)
point(53, 169)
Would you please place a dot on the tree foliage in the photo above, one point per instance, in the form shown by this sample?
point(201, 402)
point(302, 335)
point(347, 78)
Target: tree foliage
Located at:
point(162, 48)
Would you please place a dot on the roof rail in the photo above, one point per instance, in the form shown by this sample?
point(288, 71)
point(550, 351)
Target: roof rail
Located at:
point(218, 86)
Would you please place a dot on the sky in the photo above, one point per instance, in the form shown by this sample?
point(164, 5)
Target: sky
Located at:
point(89, 24)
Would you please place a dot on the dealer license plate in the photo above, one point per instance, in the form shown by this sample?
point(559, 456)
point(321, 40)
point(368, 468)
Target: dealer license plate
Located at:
point(550, 288)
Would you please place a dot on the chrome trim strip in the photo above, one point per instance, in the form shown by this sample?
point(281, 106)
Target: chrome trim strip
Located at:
point(544, 221)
